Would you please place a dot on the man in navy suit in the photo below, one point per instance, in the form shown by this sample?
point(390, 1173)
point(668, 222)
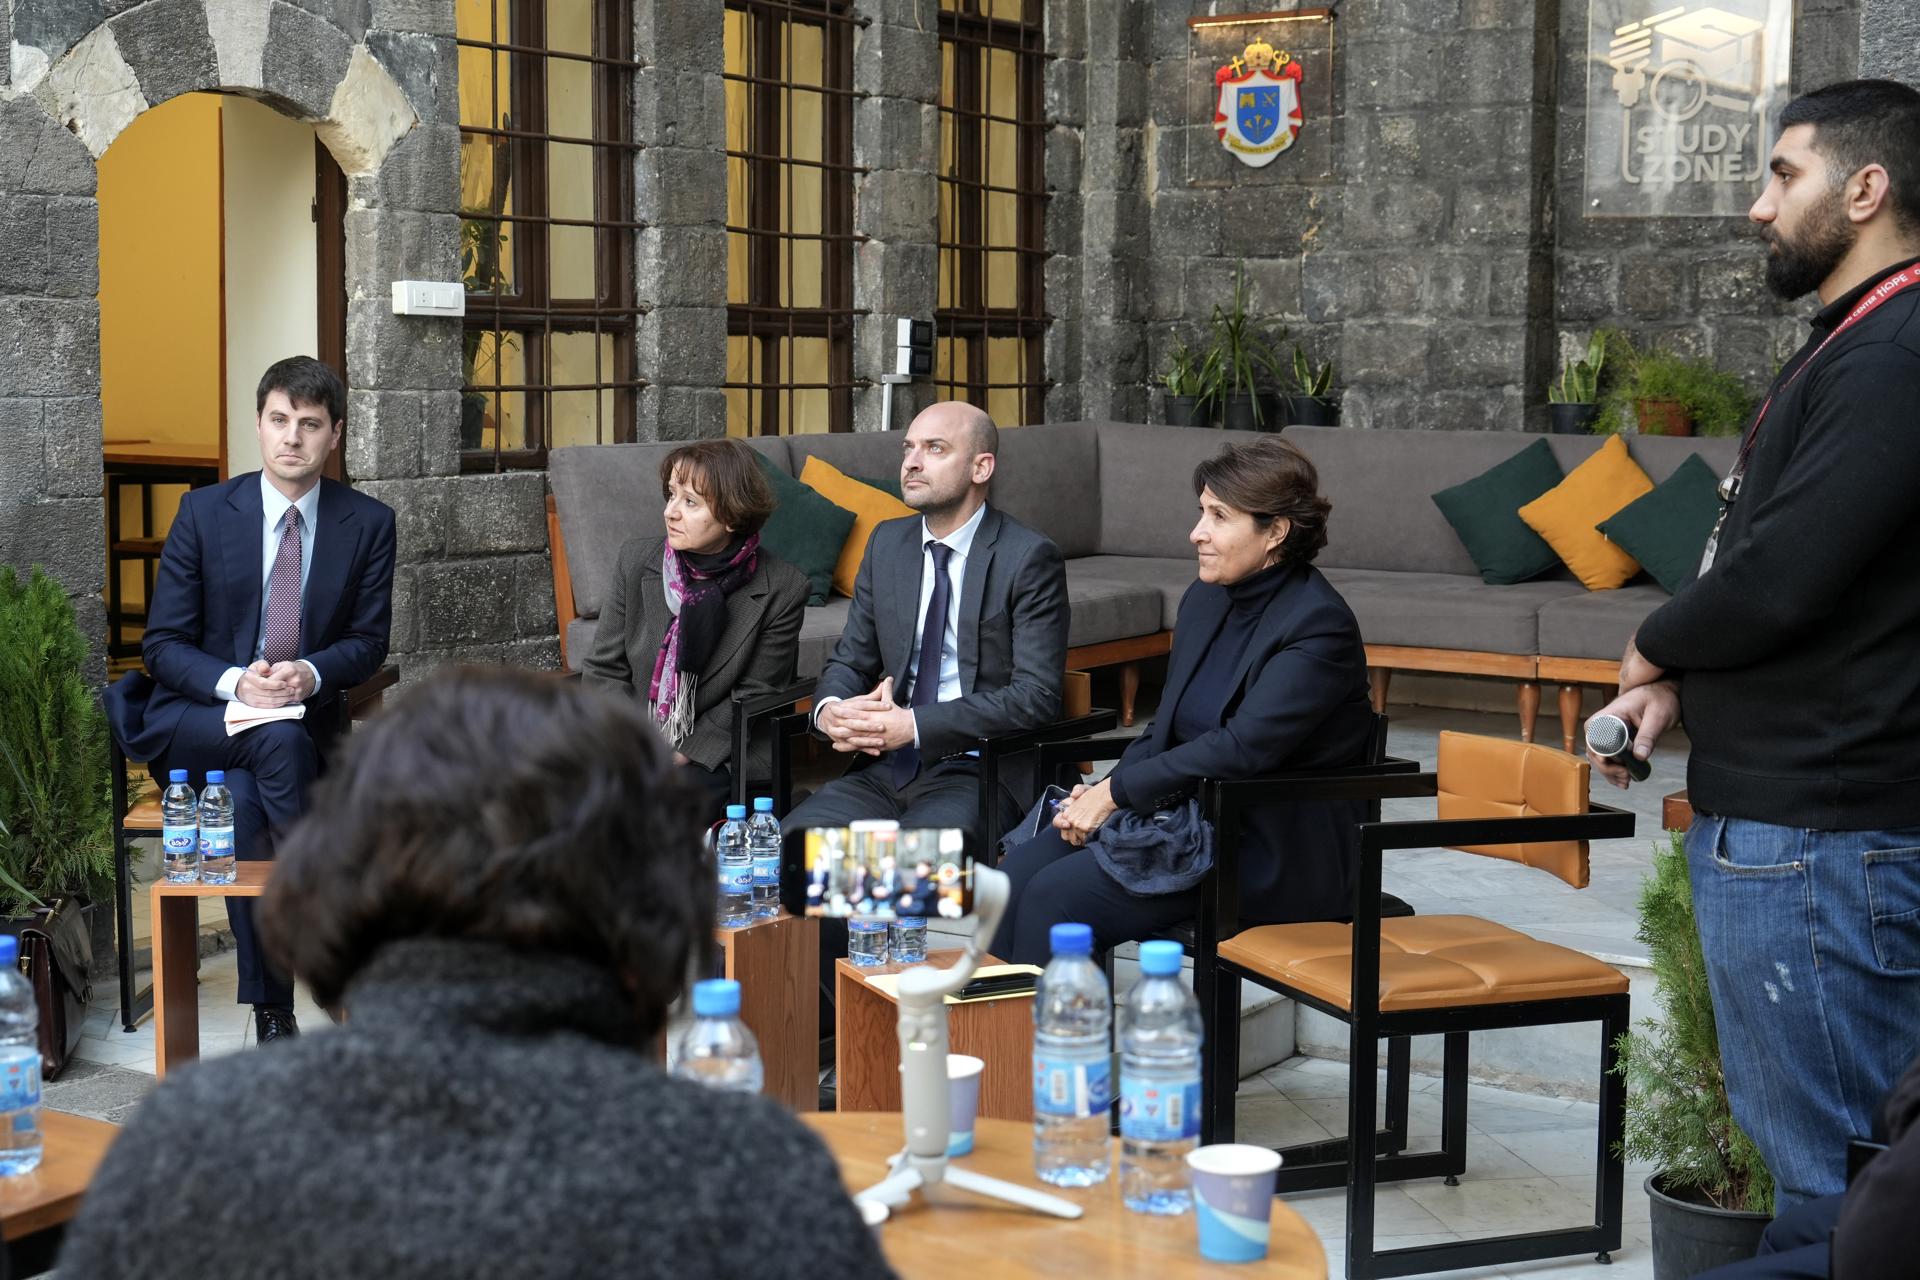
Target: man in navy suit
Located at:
point(274, 587)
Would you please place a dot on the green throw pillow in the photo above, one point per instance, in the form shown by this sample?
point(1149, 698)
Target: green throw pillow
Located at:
point(1485, 512)
point(805, 530)
point(1666, 530)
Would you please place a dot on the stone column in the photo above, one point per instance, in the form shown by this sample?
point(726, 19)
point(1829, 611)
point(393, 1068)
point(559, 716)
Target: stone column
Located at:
point(896, 136)
point(1115, 242)
point(681, 194)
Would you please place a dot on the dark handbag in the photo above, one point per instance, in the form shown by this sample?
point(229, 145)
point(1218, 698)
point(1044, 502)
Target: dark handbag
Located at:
point(56, 956)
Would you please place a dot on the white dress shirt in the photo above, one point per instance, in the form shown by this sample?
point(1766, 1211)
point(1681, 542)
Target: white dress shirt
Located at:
point(273, 516)
point(960, 543)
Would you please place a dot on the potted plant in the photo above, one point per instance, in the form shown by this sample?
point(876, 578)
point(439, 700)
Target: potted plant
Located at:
point(1574, 401)
point(1189, 381)
point(1241, 348)
point(55, 815)
point(1311, 403)
point(1710, 1194)
point(1668, 394)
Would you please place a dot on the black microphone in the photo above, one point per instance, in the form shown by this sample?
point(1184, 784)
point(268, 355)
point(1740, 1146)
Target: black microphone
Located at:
point(1609, 738)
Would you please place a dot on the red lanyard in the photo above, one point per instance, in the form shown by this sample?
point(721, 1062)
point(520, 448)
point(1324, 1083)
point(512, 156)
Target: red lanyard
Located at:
point(1899, 282)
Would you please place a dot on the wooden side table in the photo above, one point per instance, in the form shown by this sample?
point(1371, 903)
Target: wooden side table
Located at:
point(955, 1236)
point(777, 964)
point(867, 1042)
point(176, 949)
point(74, 1146)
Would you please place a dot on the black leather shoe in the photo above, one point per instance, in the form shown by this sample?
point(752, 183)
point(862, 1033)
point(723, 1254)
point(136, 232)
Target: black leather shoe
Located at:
point(273, 1022)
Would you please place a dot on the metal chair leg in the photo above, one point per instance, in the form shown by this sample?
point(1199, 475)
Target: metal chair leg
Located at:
point(1399, 1085)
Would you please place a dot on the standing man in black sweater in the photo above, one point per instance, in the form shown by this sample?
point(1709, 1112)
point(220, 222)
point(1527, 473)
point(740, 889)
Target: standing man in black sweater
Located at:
point(1795, 659)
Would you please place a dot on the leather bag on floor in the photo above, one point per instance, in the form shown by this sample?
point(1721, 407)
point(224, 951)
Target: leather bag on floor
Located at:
point(56, 956)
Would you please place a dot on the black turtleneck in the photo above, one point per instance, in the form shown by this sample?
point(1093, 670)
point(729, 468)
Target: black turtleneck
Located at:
point(1798, 652)
point(1203, 704)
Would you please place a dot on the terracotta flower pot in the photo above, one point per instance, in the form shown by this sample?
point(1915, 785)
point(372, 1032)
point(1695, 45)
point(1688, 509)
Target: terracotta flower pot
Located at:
point(1663, 418)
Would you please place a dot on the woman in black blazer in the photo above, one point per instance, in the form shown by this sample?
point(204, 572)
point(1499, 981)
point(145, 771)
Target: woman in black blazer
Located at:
point(1267, 673)
point(692, 618)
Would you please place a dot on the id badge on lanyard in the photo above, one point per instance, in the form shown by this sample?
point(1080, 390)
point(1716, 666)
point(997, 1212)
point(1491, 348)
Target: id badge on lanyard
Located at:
point(1898, 282)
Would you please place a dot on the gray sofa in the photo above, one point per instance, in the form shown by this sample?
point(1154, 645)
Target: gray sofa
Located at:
point(1117, 500)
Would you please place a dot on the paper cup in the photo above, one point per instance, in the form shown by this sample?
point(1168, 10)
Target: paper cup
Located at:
point(963, 1093)
point(1233, 1199)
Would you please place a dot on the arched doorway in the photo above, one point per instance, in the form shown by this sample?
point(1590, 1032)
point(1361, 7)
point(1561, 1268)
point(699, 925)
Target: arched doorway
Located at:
point(222, 249)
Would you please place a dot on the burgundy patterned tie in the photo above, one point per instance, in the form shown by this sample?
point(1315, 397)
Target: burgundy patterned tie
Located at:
point(283, 595)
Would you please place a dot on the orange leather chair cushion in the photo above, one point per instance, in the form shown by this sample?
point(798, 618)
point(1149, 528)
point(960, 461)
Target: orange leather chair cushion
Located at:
point(1481, 777)
point(1426, 962)
point(144, 814)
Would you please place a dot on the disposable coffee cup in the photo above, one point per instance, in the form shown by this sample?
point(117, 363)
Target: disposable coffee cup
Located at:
point(1233, 1199)
point(963, 1093)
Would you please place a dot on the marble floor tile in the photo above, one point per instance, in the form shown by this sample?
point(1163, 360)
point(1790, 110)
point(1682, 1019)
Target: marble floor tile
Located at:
point(1275, 1122)
point(1557, 1153)
point(1396, 1212)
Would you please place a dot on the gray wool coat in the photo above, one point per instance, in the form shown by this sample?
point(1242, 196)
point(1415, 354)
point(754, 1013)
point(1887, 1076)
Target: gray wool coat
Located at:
point(755, 653)
point(481, 1113)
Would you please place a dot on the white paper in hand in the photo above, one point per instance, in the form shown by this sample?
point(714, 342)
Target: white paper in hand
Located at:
point(241, 717)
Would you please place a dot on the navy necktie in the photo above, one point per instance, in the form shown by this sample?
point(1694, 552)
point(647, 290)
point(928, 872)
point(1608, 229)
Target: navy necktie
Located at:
point(926, 677)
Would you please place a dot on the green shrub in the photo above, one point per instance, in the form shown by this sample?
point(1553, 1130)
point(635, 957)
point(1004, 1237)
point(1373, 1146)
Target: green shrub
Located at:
point(55, 814)
point(1717, 401)
point(1678, 1117)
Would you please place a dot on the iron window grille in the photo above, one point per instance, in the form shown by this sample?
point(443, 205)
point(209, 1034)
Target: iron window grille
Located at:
point(790, 236)
point(990, 319)
point(546, 228)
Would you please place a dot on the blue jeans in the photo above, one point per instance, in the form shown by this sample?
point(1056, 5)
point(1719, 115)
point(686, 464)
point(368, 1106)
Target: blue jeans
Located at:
point(1812, 941)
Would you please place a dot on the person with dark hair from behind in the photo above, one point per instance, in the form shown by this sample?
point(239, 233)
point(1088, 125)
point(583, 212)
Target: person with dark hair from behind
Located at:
point(1267, 673)
point(704, 613)
point(1794, 656)
point(1860, 1234)
point(502, 887)
point(274, 588)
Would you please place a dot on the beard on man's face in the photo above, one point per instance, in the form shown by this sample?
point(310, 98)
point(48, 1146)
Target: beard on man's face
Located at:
point(1797, 264)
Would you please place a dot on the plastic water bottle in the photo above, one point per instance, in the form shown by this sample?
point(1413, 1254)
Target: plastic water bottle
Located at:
point(179, 830)
point(216, 830)
point(718, 1050)
point(19, 1065)
point(1072, 1068)
point(867, 941)
point(763, 841)
point(1159, 1084)
point(736, 869)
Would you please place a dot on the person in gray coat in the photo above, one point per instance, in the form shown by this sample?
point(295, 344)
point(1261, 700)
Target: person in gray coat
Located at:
point(706, 612)
point(502, 888)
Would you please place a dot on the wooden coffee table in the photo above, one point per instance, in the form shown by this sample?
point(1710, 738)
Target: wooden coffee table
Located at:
point(965, 1237)
point(36, 1207)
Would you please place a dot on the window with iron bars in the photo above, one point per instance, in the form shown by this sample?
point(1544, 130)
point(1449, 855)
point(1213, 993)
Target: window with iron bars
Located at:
point(790, 238)
point(990, 322)
point(546, 228)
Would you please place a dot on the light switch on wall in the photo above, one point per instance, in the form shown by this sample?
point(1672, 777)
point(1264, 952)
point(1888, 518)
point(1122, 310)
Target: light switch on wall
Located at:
point(428, 298)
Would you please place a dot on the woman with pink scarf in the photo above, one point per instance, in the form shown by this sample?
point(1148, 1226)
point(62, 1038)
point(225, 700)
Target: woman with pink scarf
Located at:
point(690, 618)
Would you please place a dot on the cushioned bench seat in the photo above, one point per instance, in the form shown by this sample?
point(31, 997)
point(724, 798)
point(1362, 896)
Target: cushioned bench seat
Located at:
point(1597, 624)
point(1166, 580)
point(1448, 610)
point(1426, 962)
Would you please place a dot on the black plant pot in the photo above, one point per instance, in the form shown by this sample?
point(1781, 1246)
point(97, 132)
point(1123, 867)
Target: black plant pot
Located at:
point(1188, 411)
point(1573, 419)
point(1238, 413)
point(1690, 1238)
point(1313, 411)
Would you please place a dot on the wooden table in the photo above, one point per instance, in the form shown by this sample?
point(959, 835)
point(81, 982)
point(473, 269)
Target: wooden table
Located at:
point(36, 1207)
point(964, 1237)
point(867, 1042)
point(176, 954)
point(777, 964)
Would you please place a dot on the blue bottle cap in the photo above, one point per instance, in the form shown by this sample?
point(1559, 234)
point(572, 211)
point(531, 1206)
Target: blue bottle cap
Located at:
point(716, 998)
point(176, 775)
point(9, 949)
point(736, 811)
point(1071, 939)
point(763, 804)
point(216, 777)
point(1160, 959)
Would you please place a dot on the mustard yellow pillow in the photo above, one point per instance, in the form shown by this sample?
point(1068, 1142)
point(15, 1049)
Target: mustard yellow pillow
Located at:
point(1566, 514)
point(869, 506)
